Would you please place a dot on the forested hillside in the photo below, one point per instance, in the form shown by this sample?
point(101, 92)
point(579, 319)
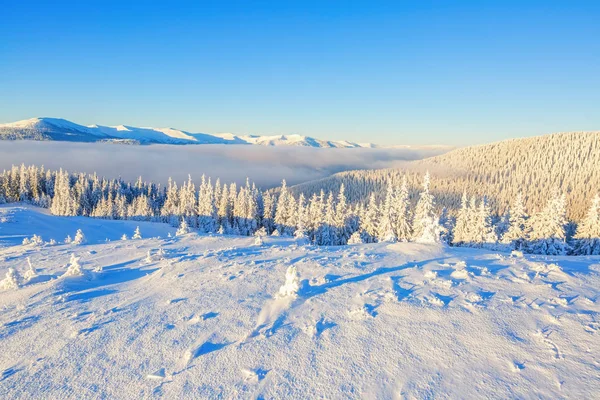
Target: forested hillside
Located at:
point(324, 219)
point(536, 167)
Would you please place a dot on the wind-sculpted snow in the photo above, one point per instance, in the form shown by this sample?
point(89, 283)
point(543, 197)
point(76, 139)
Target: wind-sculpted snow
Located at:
point(194, 316)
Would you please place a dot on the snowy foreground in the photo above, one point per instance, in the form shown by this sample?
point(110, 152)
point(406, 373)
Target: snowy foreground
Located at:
point(207, 318)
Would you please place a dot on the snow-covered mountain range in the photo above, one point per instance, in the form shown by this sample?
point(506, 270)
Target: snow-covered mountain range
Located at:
point(62, 130)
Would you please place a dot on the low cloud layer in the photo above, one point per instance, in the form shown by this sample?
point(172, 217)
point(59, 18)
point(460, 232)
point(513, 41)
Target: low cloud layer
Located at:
point(266, 166)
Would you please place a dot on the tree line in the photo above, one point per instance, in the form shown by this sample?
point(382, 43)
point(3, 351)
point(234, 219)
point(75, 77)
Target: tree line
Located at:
point(325, 218)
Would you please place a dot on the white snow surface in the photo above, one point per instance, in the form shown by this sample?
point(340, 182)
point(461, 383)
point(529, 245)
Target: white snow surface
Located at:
point(401, 320)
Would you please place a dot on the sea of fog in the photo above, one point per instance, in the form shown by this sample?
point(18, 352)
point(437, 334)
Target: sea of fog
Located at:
point(265, 165)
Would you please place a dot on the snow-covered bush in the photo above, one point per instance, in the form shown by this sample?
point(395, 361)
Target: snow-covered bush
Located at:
point(300, 236)
point(275, 233)
point(183, 229)
point(31, 272)
point(79, 237)
point(52, 242)
point(221, 230)
point(292, 283)
point(11, 281)
point(160, 254)
point(35, 240)
point(74, 268)
point(260, 234)
point(149, 258)
point(124, 237)
point(68, 239)
point(356, 238)
point(137, 234)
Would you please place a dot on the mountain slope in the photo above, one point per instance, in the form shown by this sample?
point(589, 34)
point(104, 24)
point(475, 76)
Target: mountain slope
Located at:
point(536, 166)
point(63, 130)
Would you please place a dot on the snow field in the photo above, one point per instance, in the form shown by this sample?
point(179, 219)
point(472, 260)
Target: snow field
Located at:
point(207, 317)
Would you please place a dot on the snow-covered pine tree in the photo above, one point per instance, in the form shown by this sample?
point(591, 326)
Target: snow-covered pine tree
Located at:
point(282, 213)
point(326, 234)
point(268, 212)
point(587, 238)
point(207, 211)
point(426, 227)
point(484, 230)
point(170, 208)
point(402, 224)
point(137, 234)
point(184, 228)
point(224, 211)
point(461, 230)
point(548, 228)
point(386, 229)
point(187, 202)
point(79, 237)
point(516, 235)
point(370, 221)
point(342, 216)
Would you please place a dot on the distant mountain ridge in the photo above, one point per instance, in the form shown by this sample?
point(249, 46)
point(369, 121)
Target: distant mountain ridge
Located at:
point(62, 130)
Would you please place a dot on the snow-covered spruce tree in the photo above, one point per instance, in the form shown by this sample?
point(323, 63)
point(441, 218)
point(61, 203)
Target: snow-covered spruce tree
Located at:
point(137, 234)
point(283, 214)
point(207, 211)
point(548, 229)
point(64, 202)
point(79, 237)
point(268, 212)
point(426, 226)
point(12, 280)
point(587, 238)
point(170, 209)
point(68, 239)
point(386, 231)
point(315, 215)
point(447, 225)
point(184, 228)
point(370, 220)
point(461, 229)
point(326, 233)
point(516, 235)
point(484, 230)
point(188, 203)
point(402, 223)
point(342, 216)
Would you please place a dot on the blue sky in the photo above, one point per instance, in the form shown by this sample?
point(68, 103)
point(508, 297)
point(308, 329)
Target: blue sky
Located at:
point(397, 72)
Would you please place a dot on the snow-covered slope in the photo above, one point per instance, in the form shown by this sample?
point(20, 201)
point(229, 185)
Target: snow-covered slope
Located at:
point(63, 130)
point(534, 167)
point(208, 320)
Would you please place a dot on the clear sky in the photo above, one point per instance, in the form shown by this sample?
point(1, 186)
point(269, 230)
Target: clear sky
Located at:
point(396, 72)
